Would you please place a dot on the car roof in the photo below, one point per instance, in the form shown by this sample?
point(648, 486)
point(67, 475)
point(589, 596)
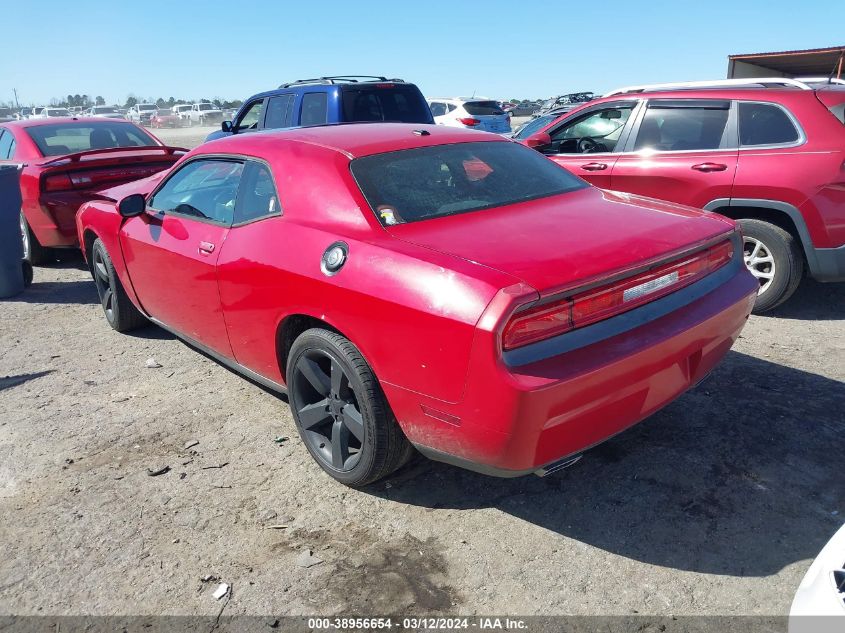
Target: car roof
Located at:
point(351, 139)
point(25, 123)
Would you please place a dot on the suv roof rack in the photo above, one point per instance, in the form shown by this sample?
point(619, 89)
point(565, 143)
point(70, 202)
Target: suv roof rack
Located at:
point(341, 79)
point(750, 82)
point(822, 80)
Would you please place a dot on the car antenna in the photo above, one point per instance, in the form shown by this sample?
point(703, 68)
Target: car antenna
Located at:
point(422, 132)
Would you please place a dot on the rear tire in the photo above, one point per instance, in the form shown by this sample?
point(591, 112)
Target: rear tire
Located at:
point(120, 312)
point(774, 257)
point(340, 410)
point(33, 252)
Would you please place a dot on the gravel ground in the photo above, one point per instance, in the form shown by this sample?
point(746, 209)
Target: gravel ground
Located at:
point(715, 505)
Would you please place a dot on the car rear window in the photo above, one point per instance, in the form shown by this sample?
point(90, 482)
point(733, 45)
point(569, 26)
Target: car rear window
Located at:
point(69, 138)
point(403, 104)
point(430, 182)
point(483, 108)
point(765, 124)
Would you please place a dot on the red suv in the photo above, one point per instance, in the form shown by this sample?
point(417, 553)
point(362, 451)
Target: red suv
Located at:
point(768, 154)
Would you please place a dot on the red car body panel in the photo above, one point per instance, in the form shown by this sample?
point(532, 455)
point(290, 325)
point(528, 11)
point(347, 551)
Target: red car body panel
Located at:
point(808, 177)
point(52, 214)
point(426, 302)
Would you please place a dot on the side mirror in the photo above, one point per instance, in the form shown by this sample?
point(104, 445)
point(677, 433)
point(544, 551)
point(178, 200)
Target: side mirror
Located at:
point(538, 140)
point(226, 126)
point(132, 205)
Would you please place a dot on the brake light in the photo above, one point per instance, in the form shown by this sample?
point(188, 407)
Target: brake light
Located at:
point(58, 182)
point(600, 303)
point(469, 121)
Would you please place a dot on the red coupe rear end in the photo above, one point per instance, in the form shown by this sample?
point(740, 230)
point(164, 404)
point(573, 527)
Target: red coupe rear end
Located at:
point(67, 161)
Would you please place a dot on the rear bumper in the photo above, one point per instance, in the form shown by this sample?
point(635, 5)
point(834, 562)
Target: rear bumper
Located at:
point(515, 419)
point(54, 222)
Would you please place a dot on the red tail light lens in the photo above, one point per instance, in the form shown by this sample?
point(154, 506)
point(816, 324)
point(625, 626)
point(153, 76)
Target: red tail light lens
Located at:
point(603, 302)
point(58, 182)
point(469, 121)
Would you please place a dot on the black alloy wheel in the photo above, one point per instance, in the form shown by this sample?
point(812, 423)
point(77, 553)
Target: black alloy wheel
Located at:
point(328, 410)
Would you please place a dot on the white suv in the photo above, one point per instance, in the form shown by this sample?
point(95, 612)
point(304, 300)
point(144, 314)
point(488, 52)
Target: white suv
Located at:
point(141, 113)
point(474, 114)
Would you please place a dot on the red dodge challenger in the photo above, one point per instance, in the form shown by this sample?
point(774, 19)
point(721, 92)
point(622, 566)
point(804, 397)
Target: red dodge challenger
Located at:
point(65, 162)
point(421, 286)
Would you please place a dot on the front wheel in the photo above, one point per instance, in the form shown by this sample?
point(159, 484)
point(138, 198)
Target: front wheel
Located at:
point(340, 410)
point(120, 312)
point(773, 256)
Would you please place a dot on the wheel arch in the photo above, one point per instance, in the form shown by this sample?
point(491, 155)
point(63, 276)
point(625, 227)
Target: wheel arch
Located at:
point(290, 327)
point(88, 239)
point(781, 214)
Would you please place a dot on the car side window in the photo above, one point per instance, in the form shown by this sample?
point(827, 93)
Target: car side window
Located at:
point(251, 117)
point(314, 108)
point(279, 112)
point(257, 196)
point(668, 127)
point(596, 131)
point(765, 124)
point(438, 109)
point(203, 189)
point(7, 144)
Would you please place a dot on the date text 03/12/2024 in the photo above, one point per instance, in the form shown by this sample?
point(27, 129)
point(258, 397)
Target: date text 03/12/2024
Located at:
point(416, 624)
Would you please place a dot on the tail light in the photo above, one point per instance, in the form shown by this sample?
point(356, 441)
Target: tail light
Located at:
point(58, 182)
point(600, 303)
point(470, 121)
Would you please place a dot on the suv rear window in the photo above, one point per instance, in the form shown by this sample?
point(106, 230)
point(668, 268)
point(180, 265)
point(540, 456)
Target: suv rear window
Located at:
point(430, 182)
point(482, 108)
point(765, 124)
point(390, 103)
point(69, 138)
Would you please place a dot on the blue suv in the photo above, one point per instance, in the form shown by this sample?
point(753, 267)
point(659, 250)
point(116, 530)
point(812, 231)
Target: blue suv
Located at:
point(324, 100)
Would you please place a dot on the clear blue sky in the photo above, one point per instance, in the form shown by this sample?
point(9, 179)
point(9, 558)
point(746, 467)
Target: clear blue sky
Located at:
point(503, 49)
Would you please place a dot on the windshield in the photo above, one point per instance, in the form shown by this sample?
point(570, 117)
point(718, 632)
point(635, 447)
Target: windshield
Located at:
point(104, 110)
point(206, 106)
point(430, 182)
point(69, 138)
point(57, 112)
point(534, 125)
point(403, 104)
point(146, 107)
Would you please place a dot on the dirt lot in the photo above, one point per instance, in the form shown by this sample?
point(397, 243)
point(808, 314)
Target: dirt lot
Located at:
point(715, 505)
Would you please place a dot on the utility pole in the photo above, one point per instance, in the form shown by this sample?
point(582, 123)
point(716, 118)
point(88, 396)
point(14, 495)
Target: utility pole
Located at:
point(17, 105)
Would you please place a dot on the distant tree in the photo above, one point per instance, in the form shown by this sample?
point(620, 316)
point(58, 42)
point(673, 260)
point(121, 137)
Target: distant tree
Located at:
point(171, 102)
point(131, 100)
point(69, 101)
point(99, 101)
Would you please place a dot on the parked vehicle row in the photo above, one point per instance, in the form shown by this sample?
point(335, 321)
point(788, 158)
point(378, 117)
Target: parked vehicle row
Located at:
point(477, 114)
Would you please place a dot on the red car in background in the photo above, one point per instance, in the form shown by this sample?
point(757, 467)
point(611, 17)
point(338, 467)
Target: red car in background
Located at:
point(66, 161)
point(766, 152)
point(425, 286)
point(165, 118)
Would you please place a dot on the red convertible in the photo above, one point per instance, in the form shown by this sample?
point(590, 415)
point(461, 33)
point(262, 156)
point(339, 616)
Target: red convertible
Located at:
point(65, 162)
point(421, 286)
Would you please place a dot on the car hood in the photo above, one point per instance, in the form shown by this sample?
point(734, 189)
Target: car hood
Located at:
point(567, 240)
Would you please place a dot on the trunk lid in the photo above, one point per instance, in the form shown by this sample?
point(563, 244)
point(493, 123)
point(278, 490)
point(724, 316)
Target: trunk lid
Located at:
point(569, 240)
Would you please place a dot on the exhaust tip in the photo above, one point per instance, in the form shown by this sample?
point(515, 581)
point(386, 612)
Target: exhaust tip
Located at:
point(554, 467)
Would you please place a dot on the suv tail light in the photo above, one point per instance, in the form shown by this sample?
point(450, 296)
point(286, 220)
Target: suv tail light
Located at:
point(600, 303)
point(469, 121)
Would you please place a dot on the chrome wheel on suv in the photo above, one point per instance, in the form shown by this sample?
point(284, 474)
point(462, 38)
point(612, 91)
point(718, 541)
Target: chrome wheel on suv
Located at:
point(760, 261)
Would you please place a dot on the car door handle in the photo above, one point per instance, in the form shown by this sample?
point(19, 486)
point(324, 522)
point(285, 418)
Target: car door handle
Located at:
point(594, 166)
point(206, 248)
point(707, 167)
